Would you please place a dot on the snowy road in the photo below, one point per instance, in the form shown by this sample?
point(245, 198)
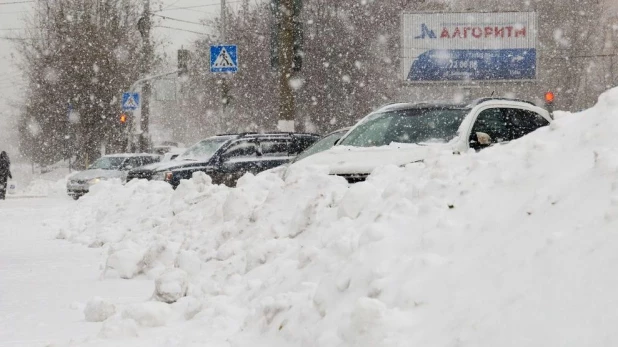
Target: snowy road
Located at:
point(44, 282)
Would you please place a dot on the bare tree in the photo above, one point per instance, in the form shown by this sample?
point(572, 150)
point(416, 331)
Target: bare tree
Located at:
point(77, 56)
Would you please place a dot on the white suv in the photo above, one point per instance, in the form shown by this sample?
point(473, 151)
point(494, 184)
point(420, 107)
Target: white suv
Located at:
point(404, 133)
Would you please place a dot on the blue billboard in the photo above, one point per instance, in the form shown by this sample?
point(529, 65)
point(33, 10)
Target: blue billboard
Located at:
point(482, 46)
point(474, 64)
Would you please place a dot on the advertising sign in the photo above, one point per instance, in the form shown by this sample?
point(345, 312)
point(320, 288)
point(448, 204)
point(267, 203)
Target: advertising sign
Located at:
point(497, 46)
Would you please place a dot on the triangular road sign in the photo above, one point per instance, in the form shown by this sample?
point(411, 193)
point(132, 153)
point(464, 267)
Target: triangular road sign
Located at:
point(130, 103)
point(224, 60)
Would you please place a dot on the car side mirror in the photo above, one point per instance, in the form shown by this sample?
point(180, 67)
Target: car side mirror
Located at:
point(483, 139)
point(336, 142)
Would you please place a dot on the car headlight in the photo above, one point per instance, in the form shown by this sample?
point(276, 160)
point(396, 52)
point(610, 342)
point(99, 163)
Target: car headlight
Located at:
point(163, 176)
point(94, 181)
point(158, 176)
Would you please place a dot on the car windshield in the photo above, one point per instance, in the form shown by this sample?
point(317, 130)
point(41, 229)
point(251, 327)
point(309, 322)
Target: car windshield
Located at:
point(322, 145)
point(203, 149)
point(107, 163)
point(419, 125)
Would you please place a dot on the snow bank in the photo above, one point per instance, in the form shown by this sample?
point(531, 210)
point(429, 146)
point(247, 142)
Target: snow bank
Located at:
point(98, 310)
point(29, 184)
point(513, 246)
point(43, 187)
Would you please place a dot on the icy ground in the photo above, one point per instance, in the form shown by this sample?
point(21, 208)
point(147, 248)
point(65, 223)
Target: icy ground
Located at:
point(45, 282)
point(514, 246)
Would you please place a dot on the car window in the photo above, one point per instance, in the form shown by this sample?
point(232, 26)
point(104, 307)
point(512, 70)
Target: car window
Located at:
point(370, 133)
point(300, 143)
point(416, 125)
point(132, 162)
point(107, 163)
point(275, 148)
point(321, 145)
point(524, 122)
point(506, 124)
point(241, 150)
point(203, 149)
point(148, 160)
point(492, 122)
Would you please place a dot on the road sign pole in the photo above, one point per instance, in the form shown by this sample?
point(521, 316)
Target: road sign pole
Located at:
point(135, 118)
point(223, 22)
point(224, 88)
point(146, 87)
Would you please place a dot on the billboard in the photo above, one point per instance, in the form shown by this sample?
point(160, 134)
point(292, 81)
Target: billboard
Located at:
point(496, 46)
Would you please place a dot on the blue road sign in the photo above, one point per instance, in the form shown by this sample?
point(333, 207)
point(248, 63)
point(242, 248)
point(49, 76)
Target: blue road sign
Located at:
point(224, 58)
point(130, 101)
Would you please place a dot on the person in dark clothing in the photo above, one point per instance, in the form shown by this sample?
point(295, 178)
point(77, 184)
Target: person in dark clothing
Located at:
point(5, 173)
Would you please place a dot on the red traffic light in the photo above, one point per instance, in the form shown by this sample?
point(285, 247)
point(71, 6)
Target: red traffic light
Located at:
point(123, 118)
point(549, 98)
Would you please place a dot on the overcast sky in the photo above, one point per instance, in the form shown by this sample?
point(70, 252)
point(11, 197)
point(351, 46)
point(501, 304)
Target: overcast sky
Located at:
point(12, 13)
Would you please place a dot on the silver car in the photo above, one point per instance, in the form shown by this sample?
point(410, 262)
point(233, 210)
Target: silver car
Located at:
point(108, 167)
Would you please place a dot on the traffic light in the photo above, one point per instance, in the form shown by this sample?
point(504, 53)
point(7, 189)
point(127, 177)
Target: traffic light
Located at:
point(123, 118)
point(549, 98)
point(549, 103)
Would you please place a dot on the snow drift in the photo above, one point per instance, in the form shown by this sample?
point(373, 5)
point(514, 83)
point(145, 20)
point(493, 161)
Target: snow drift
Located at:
point(512, 246)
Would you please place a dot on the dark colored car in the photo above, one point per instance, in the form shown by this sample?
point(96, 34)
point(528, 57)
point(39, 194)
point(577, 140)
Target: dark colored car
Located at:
point(226, 158)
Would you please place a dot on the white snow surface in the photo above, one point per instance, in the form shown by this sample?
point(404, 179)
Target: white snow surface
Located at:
point(512, 246)
point(28, 184)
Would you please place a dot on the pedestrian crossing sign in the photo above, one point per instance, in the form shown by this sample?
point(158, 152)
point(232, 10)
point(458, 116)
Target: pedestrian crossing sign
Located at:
point(224, 58)
point(130, 101)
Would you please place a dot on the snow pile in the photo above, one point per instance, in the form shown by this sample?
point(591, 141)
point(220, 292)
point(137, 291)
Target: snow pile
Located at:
point(171, 286)
point(515, 245)
point(43, 187)
point(52, 182)
point(98, 310)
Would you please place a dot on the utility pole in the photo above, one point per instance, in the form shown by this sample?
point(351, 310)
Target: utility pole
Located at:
point(285, 65)
point(223, 22)
point(144, 26)
point(225, 98)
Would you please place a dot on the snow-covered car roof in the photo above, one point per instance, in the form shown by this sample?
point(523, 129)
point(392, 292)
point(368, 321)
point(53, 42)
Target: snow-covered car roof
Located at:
point(129, 155)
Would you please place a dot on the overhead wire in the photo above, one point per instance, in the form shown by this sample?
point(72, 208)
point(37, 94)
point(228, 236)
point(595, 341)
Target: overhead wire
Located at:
point(179, 29)
point(196, 6)
point(14, 12)
point(178, 20)
point(16, 2)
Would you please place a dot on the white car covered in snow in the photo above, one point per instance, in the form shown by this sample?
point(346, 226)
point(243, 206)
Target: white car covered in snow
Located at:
point(108, 167)
point(404, 133)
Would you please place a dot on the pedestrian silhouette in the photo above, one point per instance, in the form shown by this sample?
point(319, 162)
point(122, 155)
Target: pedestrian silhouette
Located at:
point(5, 173)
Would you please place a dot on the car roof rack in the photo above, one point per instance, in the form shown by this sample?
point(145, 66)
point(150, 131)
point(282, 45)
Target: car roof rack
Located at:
point(281, 133)
point(405, 105)
point(236, 134)
point(480, 100)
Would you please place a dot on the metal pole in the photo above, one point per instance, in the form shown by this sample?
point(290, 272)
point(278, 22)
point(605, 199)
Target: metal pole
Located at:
point(286, 60)
point(224, 88)
point(132, 128)
point(223, 22)
point(146, 91)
